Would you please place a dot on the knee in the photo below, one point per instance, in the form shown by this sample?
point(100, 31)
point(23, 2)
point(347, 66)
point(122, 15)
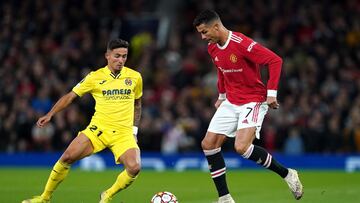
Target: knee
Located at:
point(207, 145)
point(68, 157)
point(204, 145)
point(241, 147)
point(133, 168)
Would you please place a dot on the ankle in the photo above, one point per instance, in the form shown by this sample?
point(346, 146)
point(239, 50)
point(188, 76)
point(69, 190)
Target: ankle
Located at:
point(227, 196)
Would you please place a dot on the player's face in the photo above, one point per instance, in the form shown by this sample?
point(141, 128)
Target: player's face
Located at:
point(116, 58)
point(208, 32)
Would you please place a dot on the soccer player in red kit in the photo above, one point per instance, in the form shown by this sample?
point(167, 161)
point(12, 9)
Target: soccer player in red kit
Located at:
point(243, 101)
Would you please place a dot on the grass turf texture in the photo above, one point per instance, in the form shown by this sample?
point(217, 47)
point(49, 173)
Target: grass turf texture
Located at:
point(189, 187)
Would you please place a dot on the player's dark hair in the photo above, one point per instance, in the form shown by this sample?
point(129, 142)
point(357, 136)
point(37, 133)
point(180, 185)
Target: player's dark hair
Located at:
point(205, 17)
point(117, 43)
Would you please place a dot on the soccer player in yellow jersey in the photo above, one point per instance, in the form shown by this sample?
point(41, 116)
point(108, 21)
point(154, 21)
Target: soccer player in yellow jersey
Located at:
point(117, 91)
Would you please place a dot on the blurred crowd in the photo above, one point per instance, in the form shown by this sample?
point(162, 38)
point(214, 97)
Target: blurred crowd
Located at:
point(47, 47)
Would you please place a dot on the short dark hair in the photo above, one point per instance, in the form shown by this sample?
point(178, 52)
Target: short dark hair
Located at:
point(205, 17)
point(117, 43)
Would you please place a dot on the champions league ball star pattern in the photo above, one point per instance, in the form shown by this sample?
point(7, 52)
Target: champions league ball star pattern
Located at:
point(164, 197)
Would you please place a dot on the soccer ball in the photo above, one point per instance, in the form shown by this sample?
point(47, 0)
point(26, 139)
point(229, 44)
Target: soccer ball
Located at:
point(164, 197)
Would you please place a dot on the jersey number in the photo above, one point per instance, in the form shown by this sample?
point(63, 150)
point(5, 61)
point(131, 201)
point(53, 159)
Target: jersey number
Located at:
point(250, 109)
point(93, 128)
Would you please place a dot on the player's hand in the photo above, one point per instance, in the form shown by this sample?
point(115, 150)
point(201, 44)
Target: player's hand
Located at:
point(218, 103)
point(43, 121)
point(272, 102)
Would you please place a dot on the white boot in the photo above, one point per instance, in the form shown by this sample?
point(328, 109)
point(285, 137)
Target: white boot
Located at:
point(293, 181)
point(226, 199)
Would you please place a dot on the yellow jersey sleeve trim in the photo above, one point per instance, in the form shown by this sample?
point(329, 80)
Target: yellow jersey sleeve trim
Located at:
point(76, 93)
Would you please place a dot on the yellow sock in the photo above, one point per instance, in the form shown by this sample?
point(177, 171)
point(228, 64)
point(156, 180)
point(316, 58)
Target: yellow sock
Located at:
point(123, 181)
point(58, 174)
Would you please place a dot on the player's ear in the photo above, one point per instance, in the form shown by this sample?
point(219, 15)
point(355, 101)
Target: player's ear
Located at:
point(216, 26)
point(107, 55)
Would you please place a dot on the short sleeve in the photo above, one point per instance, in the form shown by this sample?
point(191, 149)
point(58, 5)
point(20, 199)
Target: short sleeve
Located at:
point(139, 87)
point(84, 86)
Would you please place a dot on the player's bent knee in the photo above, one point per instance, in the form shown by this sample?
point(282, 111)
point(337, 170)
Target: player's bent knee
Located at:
point(68, 158)
point(204, 145)
point(241, 148)
point(207, 144)
point(133, 168)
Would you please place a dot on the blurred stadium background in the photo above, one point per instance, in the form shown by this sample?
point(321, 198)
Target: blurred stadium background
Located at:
point(46, 47)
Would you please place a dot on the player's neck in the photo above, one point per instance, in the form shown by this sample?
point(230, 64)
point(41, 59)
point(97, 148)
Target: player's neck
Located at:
point(223, 36)
point(115, 72)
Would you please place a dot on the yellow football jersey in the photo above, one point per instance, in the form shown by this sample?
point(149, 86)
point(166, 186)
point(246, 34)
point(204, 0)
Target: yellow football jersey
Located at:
point(114, 96)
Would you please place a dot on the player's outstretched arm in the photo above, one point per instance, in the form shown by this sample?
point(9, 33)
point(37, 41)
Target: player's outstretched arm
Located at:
point(61, 104)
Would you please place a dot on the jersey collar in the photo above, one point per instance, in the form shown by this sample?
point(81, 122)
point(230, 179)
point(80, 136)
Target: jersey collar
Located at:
point(108, 72)
point(226, 43)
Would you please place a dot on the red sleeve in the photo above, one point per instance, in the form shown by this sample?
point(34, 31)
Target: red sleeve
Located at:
point(220, 83)
point(263, 56)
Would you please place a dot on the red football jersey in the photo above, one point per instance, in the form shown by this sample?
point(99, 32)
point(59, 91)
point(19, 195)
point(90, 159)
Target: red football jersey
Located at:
point(238, 64)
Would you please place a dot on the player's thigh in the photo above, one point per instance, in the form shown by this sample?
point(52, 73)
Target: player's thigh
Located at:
point(79, 148)
point(131, 160)
point(123, 142)
point(225, 120)
point(244, 138)
point(212, 141)
point(251, 115)
point(89, 141)
point(98, 136)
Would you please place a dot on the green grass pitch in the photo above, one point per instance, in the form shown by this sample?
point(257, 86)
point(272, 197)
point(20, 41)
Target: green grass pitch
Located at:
point(190, 187)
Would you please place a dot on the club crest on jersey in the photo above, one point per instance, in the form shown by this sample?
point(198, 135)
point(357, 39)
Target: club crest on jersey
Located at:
point(233, 58)
point(128, 82)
